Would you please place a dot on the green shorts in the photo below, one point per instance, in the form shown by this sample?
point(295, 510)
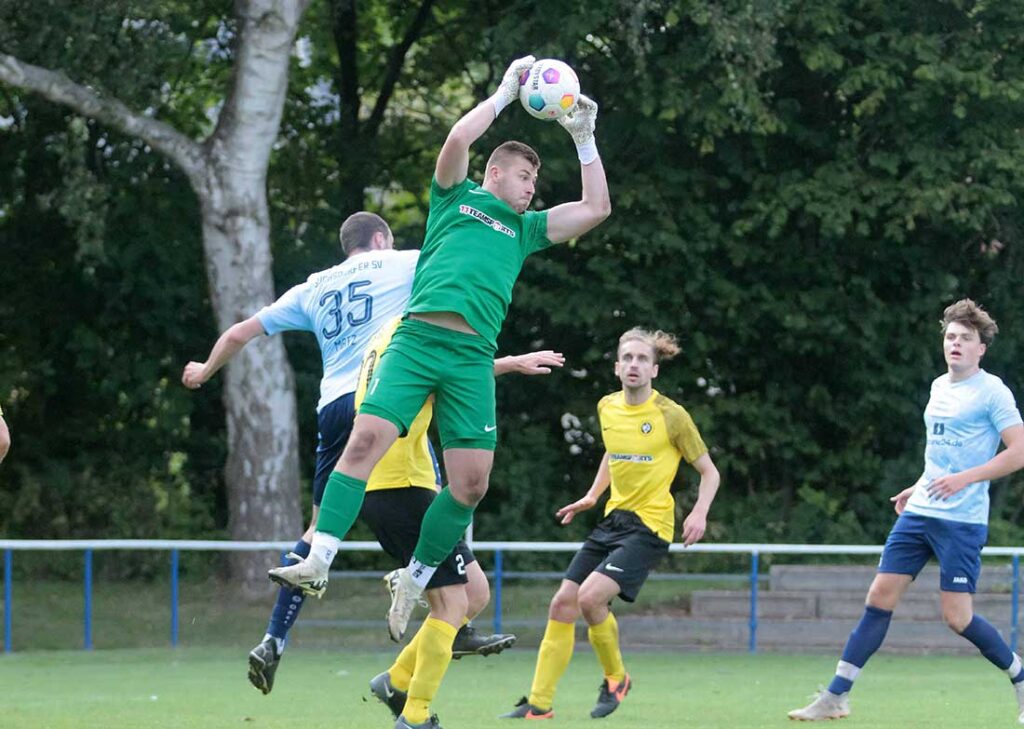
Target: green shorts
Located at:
point(457, 368)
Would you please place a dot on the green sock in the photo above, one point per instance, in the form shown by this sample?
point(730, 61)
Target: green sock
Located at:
point(443, 525)
point(343, 498)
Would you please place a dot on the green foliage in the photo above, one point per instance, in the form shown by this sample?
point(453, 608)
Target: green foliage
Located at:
point(798, 191)
point(103, 295)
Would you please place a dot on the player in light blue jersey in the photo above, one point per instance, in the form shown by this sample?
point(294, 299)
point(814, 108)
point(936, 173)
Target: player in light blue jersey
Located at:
point(343, 306)
point(945, 512)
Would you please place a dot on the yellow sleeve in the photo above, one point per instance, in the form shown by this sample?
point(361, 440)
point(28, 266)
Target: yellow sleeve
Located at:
point(682, 432)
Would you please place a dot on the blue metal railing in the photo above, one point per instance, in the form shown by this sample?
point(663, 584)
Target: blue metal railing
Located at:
point(499, 579)
point(87, 619)
point(499, 575)
point(8, 597)
point(754, 569)
point(174, 597)
point(1014, 603)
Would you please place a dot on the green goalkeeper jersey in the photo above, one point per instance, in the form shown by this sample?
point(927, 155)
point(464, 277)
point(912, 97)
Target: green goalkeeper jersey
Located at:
point(472, 254)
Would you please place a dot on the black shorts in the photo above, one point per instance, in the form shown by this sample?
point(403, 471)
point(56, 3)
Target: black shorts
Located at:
point(394, 517)
point(621, 547)
point(334, 426)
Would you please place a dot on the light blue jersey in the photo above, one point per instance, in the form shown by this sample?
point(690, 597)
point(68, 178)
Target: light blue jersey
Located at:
point(964, 421)
point(344, 307)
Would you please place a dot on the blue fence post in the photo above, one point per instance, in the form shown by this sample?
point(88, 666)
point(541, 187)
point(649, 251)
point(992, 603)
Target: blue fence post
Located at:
point(8, 597)
point(1014, 603)
point(174, 598)
point(498, 571)
point(753, 600)
point(87, 638)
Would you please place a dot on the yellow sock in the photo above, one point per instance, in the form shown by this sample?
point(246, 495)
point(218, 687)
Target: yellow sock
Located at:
point(604, 637)
point(432, 658)
point(552, 660)
point(402, 669)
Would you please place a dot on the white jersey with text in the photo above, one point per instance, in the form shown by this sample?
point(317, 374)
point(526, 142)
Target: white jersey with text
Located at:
point(964, 421)
point(344, 306)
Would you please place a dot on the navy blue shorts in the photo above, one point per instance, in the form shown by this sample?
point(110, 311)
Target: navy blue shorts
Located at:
point(334, 426)
point(956, 544)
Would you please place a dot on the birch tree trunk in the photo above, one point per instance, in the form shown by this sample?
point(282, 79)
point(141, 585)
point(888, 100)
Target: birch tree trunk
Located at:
point(228, 172)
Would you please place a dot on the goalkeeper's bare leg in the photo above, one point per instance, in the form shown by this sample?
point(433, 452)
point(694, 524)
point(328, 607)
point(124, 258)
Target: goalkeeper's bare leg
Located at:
point(371, 437)
point(443, 525)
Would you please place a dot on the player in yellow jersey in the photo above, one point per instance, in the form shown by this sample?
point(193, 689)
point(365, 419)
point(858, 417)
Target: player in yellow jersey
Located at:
point(401, 487)
point(645, 436)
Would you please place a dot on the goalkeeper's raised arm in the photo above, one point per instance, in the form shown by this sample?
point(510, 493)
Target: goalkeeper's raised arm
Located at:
point(571, 220)
point(453, 160)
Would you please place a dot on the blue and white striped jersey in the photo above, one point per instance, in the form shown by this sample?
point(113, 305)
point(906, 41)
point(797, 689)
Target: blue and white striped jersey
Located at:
point(344, 306)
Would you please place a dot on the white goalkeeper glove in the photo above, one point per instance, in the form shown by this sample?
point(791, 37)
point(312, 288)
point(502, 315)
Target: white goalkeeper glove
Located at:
point(508, 89)
point(580, 123)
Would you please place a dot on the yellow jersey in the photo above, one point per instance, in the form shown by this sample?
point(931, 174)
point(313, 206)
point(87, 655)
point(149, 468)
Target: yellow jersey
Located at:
point(645, 443)
point(408, 461)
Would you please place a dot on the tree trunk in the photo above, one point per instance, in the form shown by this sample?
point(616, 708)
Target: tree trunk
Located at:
point(261, 472)
point(259, 397)
point(229, 175)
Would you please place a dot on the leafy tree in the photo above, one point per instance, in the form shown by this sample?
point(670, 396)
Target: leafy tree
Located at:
point(226, 168)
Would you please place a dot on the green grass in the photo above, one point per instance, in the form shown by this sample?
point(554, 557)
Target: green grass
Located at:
point(206, 687)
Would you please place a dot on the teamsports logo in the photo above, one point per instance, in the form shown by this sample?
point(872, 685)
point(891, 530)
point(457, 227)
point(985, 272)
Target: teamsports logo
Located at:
point(487, 220)
point(646, 428)
point(631, 457)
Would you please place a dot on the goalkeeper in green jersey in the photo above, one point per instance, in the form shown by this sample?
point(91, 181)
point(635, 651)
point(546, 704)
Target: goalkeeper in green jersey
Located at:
point(477, 238)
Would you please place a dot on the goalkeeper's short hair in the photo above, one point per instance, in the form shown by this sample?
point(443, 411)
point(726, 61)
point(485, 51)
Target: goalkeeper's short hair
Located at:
point(506, 151)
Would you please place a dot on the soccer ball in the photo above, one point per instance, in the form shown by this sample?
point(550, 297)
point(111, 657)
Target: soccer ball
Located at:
point(549, 90)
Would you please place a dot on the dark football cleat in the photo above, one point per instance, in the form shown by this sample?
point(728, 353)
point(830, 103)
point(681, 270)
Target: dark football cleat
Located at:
point(431, 723)
point(263, 660)
point(611, 695)
point(525, 710)
point(468, 642)
point(394, 699)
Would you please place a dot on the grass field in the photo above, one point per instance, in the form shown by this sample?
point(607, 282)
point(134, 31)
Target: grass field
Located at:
point(206, 687)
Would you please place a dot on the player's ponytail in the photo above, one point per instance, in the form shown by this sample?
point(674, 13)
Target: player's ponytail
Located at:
point(663, 344)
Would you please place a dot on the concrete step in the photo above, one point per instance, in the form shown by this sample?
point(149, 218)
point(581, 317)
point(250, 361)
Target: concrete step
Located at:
point(917, 606)
point(857, 578)
point(796, 636)
point(786, 605)
point(793, 605)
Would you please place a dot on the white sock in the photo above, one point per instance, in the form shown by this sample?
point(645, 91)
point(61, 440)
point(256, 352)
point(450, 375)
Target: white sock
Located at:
point(420, 573)
point(1015, 667)
point(279, 642)
point(324, 547)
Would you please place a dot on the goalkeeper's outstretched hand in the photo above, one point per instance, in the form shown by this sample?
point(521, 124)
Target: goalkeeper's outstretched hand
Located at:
point(508, 89)
point(581, 121)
